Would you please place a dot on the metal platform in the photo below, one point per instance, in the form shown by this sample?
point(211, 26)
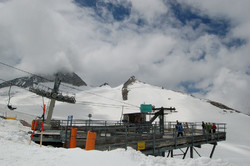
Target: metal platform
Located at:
point(112, 135)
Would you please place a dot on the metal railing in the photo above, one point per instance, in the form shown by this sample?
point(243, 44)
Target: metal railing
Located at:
point(115, 134)
point(192, 135)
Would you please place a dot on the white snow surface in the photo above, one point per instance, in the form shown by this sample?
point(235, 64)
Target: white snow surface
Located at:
point(15, 150)
point(105, 103)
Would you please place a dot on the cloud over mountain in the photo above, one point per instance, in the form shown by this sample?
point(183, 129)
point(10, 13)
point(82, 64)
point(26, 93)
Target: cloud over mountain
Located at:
point(193, 46)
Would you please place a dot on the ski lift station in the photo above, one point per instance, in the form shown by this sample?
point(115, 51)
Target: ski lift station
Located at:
point(151, 138)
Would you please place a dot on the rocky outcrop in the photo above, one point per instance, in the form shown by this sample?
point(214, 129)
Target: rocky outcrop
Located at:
point(70, 78)
point(221, 106)
point(125, 87)
point(105, 84)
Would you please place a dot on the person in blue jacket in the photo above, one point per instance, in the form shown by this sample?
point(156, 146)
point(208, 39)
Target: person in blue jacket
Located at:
point(179, 129)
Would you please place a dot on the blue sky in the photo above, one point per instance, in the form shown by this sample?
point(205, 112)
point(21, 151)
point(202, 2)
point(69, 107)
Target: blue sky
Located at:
point(186, 45)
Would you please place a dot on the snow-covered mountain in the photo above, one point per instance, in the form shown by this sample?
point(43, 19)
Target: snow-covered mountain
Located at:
point(24, 82)
point(107, 103)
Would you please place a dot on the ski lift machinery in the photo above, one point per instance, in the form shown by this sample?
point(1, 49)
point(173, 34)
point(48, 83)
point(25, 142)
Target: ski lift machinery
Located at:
point(53, 95)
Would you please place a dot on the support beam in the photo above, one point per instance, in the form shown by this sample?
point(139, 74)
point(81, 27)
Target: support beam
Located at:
point(161, 117)
point(185, 153)
point(50, 112)
point(212, 152)
point(197, 152)
point(191, 152)
point(170, 153)
point(160, 114)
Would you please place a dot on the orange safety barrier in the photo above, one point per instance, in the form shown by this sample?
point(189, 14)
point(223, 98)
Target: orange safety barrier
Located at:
point(90, 142)
point(72, 143)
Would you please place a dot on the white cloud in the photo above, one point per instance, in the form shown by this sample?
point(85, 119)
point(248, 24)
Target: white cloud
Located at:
point(46, 36)
point(232, 88)
point(236, 11)
point(149, 10)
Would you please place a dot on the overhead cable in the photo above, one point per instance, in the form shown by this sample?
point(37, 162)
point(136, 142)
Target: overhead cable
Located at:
point(68, 86)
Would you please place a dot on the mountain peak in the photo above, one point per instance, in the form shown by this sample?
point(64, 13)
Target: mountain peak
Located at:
point(70, 78)
point(24, 82)
point(104, 84)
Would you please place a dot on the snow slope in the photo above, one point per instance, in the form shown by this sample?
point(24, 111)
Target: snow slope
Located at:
point(15, 150)
point(106, 103)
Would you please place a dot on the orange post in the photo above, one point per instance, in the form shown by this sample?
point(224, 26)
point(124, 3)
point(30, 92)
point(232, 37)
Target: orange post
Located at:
point(72, 143)
point(34, 125)
point(90, 142)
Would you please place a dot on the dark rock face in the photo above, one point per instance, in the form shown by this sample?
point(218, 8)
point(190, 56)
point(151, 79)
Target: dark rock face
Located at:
point(221, 106)
point(125, 87)
point(71, 78)
point(24, 82)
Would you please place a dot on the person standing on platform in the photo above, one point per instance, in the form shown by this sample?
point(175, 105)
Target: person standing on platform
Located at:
point(179, 130)
point(203, 128)
point(214, 128)
point(208, 127)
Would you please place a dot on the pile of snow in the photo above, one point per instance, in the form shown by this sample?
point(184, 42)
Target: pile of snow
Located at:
point(105, 103)
point(15, 150)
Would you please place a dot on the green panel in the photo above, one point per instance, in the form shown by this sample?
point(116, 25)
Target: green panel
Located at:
point(146, 108)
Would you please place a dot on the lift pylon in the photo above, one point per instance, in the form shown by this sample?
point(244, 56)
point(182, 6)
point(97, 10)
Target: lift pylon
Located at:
point(54, 95)
point(160, 113)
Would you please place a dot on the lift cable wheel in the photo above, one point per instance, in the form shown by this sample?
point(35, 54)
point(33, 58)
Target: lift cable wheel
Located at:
point(53, 93)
